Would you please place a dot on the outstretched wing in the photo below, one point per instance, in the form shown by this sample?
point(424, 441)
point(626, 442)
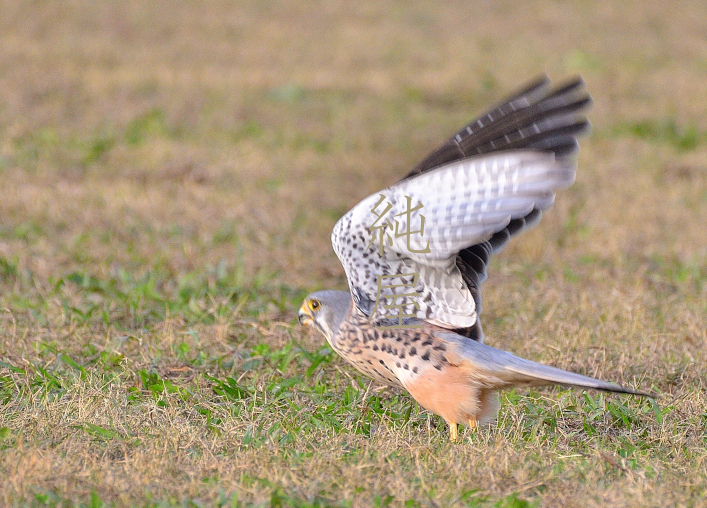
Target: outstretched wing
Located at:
point(536, 117)
point(472, 201)
point(462, 204)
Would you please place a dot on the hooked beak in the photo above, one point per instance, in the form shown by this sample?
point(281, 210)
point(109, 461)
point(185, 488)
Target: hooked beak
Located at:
point(303, 316)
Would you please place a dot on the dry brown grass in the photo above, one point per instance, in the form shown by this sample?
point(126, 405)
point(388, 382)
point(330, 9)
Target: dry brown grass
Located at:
point(169, 176)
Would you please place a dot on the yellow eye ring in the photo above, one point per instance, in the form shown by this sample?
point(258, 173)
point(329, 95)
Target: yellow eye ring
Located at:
point(314, 304)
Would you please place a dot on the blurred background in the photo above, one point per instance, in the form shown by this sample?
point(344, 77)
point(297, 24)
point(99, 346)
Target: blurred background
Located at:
point(179, 135)
point(170, 172)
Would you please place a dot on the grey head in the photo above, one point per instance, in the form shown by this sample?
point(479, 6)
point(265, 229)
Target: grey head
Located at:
point(325, 310)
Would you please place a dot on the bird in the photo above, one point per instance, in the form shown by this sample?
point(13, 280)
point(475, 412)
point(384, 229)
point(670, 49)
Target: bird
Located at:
point(416, 253)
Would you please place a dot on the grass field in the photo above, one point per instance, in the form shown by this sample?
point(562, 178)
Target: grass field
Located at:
point(169, 176)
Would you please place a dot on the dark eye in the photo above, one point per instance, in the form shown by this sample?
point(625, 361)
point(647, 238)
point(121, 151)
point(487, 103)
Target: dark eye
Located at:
point(313, 304)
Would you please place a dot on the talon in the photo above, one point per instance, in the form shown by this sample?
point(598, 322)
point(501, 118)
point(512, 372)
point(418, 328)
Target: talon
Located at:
point(472, 423)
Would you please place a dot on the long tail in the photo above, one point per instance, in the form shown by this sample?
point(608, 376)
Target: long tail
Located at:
point(538, 374)
point(509, 370)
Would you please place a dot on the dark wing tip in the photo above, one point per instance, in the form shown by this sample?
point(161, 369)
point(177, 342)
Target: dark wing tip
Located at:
point(526, 119)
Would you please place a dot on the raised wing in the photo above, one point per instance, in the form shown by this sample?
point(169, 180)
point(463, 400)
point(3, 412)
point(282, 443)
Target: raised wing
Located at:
point(447, 210)
point(489, 181)
point(536, 117)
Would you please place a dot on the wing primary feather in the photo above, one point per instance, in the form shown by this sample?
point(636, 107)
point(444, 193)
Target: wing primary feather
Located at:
point(534, 87)
point(525, 109)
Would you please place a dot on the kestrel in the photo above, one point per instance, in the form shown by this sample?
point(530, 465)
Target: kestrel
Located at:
point(415, 255)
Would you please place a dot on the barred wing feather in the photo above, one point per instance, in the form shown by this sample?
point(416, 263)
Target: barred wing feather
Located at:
point(463, 203)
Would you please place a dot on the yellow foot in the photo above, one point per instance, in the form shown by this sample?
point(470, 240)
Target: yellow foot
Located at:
point(472, 423)
point(453, 431)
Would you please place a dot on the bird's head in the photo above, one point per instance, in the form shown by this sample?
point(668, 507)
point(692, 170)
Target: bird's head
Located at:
point(325, 310)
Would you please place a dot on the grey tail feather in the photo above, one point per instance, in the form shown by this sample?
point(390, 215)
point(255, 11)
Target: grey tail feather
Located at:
point(544, 374)
point(512, 370)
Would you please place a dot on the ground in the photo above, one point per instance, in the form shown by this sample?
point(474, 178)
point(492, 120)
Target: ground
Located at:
point(170, 173)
